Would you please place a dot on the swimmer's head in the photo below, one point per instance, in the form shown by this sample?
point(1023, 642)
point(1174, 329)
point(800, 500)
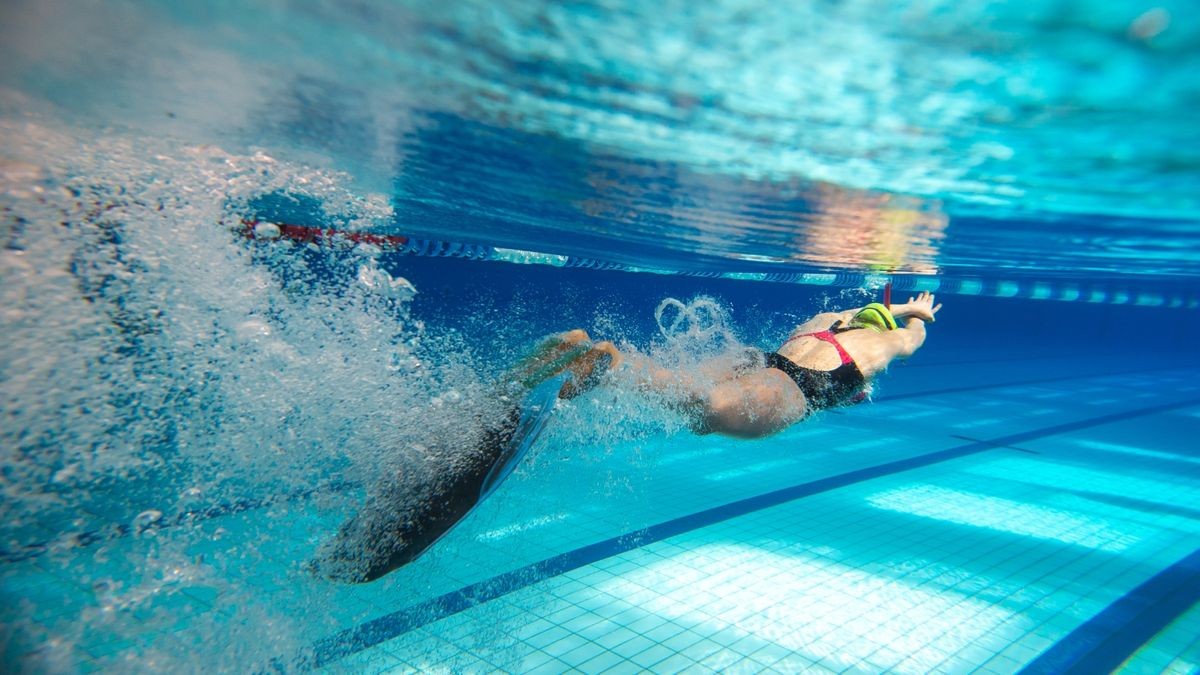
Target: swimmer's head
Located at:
point(874, 316)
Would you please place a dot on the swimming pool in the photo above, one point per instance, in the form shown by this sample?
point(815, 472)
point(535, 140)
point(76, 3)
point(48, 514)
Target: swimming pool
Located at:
point(258, 255)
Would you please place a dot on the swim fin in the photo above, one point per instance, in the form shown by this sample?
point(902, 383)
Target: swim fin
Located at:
point(410, 511)
point(535, 413)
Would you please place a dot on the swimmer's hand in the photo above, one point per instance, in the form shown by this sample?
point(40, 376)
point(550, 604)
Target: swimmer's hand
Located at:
point(920, 307)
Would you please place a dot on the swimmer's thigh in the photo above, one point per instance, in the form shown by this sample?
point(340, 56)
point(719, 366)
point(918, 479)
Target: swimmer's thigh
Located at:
point(754, 405)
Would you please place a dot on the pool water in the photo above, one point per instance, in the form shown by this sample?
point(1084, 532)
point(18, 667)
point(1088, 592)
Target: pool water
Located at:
point(1013, 498)
point(257, 255)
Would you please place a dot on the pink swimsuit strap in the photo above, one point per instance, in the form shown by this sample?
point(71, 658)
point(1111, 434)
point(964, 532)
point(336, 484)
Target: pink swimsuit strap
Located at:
point(831, 338)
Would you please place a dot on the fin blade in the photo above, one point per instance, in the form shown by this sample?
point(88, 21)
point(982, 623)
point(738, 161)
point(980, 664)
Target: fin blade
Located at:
point(535, 412)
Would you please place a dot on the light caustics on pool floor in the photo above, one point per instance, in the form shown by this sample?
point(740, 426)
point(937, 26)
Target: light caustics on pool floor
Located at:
point(1060, 534)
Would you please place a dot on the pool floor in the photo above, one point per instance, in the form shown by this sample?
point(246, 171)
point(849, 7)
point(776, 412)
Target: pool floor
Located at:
point(1021, 514)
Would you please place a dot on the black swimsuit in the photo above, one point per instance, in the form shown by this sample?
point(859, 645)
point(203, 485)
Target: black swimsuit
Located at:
point(824, 388)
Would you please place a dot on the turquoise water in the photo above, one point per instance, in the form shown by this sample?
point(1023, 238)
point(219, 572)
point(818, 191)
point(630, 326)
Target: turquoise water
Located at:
point(259, 255)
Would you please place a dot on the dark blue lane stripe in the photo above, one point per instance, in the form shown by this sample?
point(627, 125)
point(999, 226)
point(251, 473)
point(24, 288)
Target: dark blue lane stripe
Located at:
point(371, 633)
point(1108, 639)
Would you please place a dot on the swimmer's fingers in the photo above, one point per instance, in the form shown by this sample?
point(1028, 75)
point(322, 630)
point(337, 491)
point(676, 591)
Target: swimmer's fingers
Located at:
point(916, 302)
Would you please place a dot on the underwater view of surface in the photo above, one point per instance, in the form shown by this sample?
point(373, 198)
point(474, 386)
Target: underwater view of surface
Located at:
point(277, 278)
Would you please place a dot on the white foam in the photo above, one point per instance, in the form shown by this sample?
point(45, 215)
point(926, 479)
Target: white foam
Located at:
point(148, 345)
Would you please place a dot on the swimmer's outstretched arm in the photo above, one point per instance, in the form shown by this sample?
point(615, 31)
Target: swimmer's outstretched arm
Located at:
point(916, 312)
point(920, 307)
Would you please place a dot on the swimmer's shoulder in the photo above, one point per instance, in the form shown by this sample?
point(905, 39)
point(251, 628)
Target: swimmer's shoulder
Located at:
point(819, 322)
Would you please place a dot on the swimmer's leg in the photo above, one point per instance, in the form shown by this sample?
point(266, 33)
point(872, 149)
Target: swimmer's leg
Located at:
point(589, 368)
point(751, 406)
point(572, 352)
point(550, 357)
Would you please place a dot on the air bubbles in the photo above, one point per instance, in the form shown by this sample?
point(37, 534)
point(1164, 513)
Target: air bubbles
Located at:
point(381, 283)
point(700, 320)
point(21, 180)
point(368, 250)
point(252, 330)
point(267, 231)
point(65, 474)
point(143, 521)
point(402, 362)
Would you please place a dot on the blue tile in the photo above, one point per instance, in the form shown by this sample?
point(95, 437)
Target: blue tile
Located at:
point(634, 645)
point(655, 653)
point(603, 662)
point(663, 632)
point(702, 649)
point(720, 660)
point(677, 663)
point(581, 653)
point(532, 661)
point(613, 637)
point(564, 645)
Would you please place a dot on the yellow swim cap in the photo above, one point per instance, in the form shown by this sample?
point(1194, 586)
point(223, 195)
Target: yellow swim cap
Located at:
point(875, 316)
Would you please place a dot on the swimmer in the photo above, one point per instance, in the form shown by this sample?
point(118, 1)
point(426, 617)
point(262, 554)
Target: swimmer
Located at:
point(827, 361)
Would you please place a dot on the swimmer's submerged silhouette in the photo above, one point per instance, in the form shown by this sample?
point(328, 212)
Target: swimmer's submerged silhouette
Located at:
point(829, 360)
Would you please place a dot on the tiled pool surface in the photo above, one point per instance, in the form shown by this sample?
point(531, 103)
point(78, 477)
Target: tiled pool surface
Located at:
point(989, 516)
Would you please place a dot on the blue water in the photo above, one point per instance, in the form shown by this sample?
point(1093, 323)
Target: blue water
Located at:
point(256, 255)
